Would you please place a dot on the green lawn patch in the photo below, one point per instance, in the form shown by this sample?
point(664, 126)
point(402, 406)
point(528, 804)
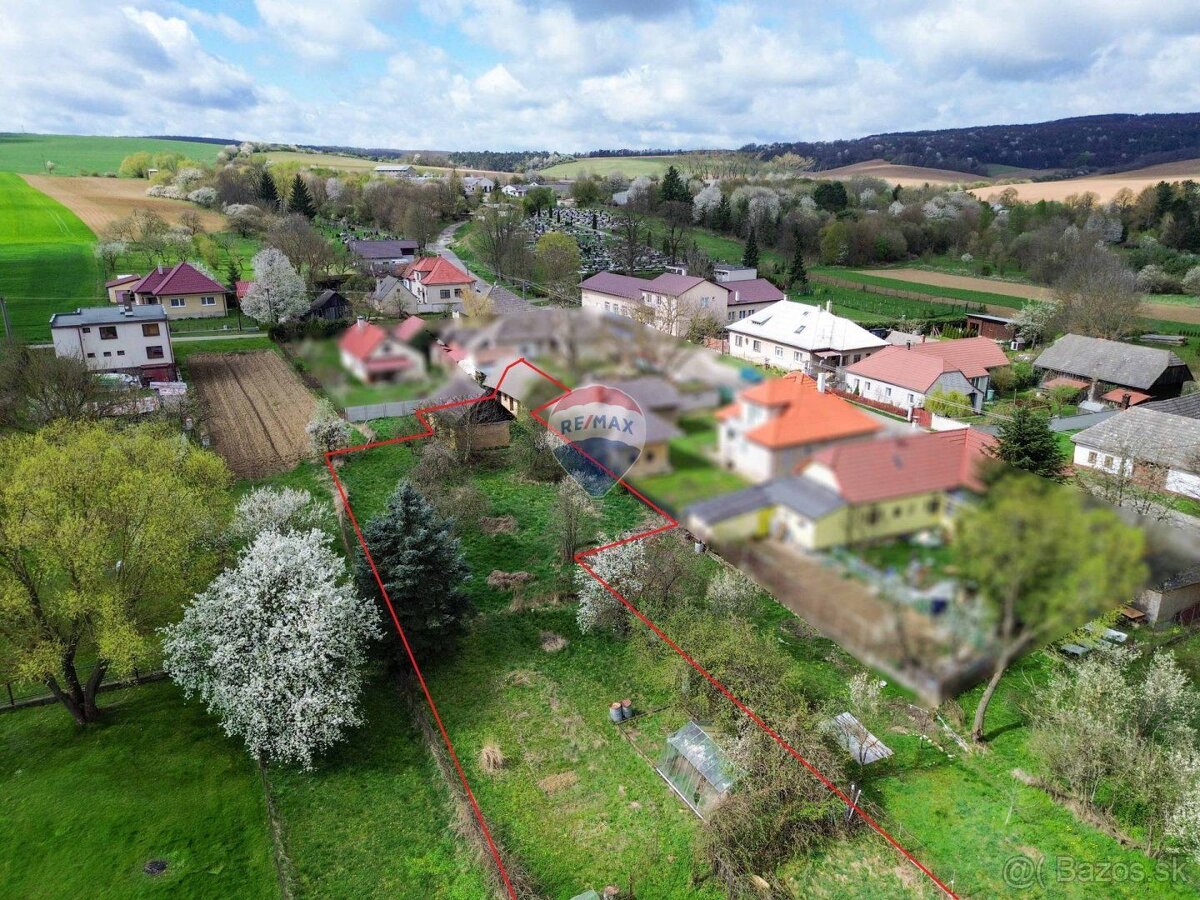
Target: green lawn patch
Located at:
point(46, 261)
point(85, 810)
point(86, 154)
point(881, 280)
point(322, 359)
point(694, 476)
point(629, 166)
point(185, 348)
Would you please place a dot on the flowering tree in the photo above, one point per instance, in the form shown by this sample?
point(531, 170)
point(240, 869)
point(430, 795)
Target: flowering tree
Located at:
point(283, 510)
point(622, 567)
point(277, 294)
point(275, 647)
point(327, 431)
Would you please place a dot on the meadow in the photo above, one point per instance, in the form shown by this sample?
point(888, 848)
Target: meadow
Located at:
point(629, 166)
point(87, 155)
point(46, 260)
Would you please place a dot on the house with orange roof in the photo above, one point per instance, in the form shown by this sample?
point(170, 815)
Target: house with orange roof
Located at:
point(374, 354)
point(437, 284)
point(905, 376)
point(772, 426)
point(854, 493)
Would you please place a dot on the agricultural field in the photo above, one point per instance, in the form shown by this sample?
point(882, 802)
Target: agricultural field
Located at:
point(46, 260)
point(629, 166)
point(354, 164)
point(1105, 187)
point(83, 155)
point(905, 176)
point(258, 408)
point(101, 201)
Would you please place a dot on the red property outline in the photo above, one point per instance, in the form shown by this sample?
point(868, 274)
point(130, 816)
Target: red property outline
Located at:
point(580, 558)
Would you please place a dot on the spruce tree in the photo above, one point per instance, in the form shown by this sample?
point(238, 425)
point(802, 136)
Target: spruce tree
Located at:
point(266, 190)
point(421, 564)
point(301, 200)
point(673, 189)
point(1026, 442)
point(797, 274)
point(750, 255)
point(722, 216)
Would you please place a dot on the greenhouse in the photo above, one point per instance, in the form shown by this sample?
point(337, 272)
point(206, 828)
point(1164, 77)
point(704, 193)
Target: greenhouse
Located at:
point(696, 768)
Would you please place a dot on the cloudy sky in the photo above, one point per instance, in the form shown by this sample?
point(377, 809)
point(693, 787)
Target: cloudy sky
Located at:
point(583, 74)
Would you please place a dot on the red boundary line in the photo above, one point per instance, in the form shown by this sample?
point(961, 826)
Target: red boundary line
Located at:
point(580, 558)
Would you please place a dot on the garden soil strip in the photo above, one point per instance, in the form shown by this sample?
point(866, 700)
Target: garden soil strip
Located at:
point(580, 558)
point(259, 410)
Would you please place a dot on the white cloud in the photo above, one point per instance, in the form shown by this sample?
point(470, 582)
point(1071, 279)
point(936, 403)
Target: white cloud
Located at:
point(323, 31)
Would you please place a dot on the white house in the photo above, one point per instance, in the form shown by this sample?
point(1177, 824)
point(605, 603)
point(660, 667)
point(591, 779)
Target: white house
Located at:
point(796, 336)
point(906, 376)
point(437, 284)
point(1157, 443)
point(130, 339)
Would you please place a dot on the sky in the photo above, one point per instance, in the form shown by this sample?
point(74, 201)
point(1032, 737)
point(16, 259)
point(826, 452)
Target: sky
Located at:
point(574, 75)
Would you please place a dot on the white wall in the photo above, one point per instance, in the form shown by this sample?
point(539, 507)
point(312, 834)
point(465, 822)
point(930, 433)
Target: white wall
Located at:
point(874, 389)
point(608, 303)
point(125, 351)
point(1091, 458)
point(1179, 482)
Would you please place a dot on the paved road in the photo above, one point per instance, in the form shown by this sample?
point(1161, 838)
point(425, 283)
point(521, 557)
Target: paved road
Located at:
point(503, 300)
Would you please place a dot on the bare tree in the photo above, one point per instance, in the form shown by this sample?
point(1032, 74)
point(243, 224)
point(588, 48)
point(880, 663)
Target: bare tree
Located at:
point(630, 241)
point(1096, 295)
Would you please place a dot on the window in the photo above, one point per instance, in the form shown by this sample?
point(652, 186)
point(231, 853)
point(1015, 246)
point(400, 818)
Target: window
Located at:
point(741, 314)
point(796, 355)
point(738, 340)
point(857, 357)
point(867, 386)
point(887, 392)
point(458, 292)
point(910, 399)
point(91, 356)
point(1108, 461)
point(120, 353)
point(896, 511)
point(756, 346)
point(208, 301)
point(108, 353)
point(445, 293)
point(178, 302)
point(729, 318)
point(154, 353)
point(108, 332)
point(779, 352)
point(150, 330)
point(934, 505)
point(1092, 457)
point(873, 515)
point(87, 331)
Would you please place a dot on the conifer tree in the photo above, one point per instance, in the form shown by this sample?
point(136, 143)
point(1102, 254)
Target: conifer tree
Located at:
point(750, 255)
point(1026, 442)
point(797, 274)
point(266, 190)
point(673, 189)
point(722, 216)
point(421, 564)
point(300, 200)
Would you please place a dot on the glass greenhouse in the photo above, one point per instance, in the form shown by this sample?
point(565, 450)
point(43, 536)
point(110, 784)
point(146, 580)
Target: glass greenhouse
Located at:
point(696, 767)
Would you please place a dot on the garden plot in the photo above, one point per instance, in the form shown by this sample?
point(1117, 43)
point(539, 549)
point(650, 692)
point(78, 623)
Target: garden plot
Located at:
point(258, 410)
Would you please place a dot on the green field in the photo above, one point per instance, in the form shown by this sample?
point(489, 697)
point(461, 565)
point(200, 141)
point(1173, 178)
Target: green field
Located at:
point(84, 155)
point(46, 261)
point(629, 166)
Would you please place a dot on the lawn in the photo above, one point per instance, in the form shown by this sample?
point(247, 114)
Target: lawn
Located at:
point(629, 166)
point(85, 810)
point(694, 477)
point(46, 261)
point(321, 358)
point(185, 348)
point(85, 155)
point(869, 309)
point(881, 280)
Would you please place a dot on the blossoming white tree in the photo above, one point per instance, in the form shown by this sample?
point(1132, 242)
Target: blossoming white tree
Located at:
point(283, 510)
point(622, 567)
point(277, 294)
point(327, 431)
point(275, 648)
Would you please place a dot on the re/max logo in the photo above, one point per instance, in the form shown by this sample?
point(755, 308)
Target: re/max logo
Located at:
point(618, 424)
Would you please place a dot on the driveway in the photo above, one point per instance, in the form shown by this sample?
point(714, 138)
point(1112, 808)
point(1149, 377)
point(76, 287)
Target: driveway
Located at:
point(503, 300)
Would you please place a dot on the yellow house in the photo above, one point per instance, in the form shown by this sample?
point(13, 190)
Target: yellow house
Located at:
point(853, 493)
point(184, 292)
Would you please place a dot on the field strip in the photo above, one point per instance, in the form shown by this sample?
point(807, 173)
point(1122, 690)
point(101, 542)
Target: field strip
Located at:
point(580, 559)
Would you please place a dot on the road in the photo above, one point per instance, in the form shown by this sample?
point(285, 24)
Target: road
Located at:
point(503, 300)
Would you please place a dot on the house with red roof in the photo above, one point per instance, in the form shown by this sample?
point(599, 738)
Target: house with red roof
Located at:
point(855, 493)
point(375, 354)
point(437, 284)
point(905, 376)
point(774, 425)
point(183, 292)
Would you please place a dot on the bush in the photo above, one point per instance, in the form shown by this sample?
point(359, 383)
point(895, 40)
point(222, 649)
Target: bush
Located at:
point(296, 329)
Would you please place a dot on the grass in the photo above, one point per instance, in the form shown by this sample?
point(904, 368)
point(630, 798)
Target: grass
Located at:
point(629, 166)
point(85, 810)
point(322, 360)
point(85, 155)
point(694, 476)
point(184, 349)
point(46, 261)
point(967, 296)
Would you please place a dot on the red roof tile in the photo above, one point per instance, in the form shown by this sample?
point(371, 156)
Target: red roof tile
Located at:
point(182, 279)
point(122, 279)
point(901, 367)
point(1064, 381)
point(408, 329)
point(972, 356)
point(243, 288)
point(1118, 395)
point(361, 339)
point(808, 416)
point(436, 270)
point(894, 467)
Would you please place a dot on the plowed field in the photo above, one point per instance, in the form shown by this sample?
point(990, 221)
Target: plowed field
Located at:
point(258, 410)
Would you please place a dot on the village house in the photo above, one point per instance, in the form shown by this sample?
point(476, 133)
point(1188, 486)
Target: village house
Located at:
point(517, 190)
point(853, 493)
point(1098, 365)
point(471, 427)
point(660, 402)
point(437, 284)
point(478, 184)
point(772, 426)
point(995, 328)
point(904, 377)
point(373, 354)
point(132, 340)
point(183, 292)
point(1156, 444)
point(393, 170)
point(118, 288)
point(799, 337)
point(381, 257)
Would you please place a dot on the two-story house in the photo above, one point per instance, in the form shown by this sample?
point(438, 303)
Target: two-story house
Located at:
point(799, 337)
point(183, 292)
point(437, 284)
point(133, 340)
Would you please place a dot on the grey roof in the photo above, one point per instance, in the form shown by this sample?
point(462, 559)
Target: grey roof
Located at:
point(1188, 406)
point(382, 249)
point(859, 743)
point(108, 315)
point(659, 429)
point(458, 388)
point(650, 391)
point(1149, 435)
point(1115, 362)
point(799, 494)
point(505, 302)
point(328, 298)
point(384, 287)
point(1003, 320)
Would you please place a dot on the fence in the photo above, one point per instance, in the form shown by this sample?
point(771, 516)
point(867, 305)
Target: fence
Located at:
point(24, 694)
point(394, 410)
point(897, 411)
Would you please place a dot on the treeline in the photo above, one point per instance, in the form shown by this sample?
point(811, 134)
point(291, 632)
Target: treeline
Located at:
point(1084, 144)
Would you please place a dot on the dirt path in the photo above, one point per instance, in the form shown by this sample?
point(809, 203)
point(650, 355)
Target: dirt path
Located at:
point(101, 201)
point(1171, 312)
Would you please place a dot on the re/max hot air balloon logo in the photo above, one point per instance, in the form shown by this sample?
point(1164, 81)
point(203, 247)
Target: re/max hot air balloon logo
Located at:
point(603, 431)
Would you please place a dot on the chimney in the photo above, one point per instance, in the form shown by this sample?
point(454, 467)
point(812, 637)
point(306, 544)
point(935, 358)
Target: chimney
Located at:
point(908, 345)
point(822, 377)
point(160, 270)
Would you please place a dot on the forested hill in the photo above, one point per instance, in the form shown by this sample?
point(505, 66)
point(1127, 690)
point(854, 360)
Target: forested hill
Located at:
point(1085, 144)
